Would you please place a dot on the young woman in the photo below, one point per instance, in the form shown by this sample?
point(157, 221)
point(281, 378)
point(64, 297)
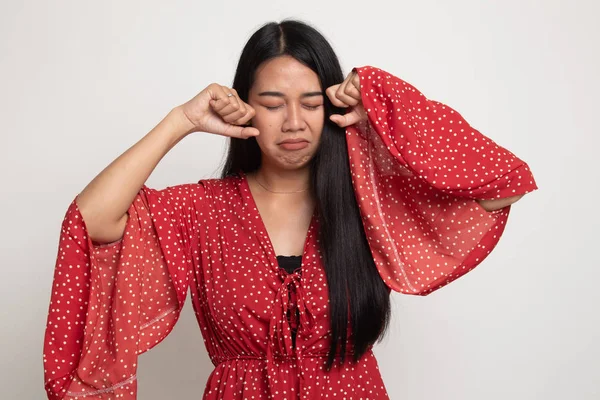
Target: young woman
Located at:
point(335, 191)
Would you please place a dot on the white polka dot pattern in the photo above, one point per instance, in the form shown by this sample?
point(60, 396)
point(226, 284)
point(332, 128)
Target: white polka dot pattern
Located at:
point(415, 168)
point(112, 302)
point(208, 237)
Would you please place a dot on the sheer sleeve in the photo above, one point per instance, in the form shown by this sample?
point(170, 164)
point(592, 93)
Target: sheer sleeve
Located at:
point(417, 167)
point(112, 302)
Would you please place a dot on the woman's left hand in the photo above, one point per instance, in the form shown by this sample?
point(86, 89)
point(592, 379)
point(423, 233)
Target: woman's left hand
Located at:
point(347, 94)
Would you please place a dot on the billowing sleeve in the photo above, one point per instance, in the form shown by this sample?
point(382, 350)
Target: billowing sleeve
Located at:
point(417, 167)
point(112, 302)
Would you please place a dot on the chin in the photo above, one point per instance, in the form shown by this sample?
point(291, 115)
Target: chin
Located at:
point(295, 164)
point(293, 161)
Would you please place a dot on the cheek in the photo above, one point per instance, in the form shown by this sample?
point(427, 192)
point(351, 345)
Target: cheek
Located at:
point(317, 122)
point(264, 119)
point(267, 128)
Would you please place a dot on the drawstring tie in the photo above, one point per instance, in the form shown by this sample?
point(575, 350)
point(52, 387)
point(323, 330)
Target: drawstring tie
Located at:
point(290, 298)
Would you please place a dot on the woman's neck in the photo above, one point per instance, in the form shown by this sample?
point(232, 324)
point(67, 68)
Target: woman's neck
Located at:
point(284, 181)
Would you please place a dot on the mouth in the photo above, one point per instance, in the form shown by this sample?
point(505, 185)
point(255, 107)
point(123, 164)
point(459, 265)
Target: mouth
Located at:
point(294, 144)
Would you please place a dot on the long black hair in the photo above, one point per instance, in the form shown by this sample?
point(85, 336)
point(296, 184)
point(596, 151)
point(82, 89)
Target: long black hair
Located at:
point(357, 294)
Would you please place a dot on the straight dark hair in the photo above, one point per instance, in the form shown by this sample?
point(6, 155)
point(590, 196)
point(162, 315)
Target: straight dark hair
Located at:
point(357, 294)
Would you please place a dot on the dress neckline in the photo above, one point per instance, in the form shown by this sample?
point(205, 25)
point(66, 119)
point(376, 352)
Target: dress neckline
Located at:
point(264, 234)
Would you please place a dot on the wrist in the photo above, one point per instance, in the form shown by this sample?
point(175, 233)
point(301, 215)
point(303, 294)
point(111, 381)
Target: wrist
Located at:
point(180, 124)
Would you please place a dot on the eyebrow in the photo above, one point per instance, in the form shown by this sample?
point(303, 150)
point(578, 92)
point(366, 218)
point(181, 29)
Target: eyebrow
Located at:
point(279, 94)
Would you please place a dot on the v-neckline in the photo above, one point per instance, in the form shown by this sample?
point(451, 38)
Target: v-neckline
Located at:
point(260, 224)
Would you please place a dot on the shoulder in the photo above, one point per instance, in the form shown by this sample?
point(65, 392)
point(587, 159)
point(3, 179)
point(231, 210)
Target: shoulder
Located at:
point(220, 186)
point(196, 195)
point(202, 187)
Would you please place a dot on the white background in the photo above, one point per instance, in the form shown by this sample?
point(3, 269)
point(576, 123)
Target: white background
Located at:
point(82, 81)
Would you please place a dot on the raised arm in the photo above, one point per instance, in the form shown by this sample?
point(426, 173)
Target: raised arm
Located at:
point(104, 202)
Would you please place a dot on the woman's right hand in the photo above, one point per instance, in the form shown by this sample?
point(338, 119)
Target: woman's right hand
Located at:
point(218, 109)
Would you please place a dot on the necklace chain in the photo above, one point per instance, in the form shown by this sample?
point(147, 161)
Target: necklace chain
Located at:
point(272, 191)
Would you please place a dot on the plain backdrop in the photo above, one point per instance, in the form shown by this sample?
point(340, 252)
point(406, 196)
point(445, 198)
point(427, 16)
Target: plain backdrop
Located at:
point(82, 81)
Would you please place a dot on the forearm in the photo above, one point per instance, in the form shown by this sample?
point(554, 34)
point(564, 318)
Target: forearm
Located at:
point(496, 204)
point(105, 200)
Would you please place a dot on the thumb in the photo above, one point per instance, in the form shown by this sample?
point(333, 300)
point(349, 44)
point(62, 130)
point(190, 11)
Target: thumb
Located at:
point(338, 119)
point(249, 131)
point(346, 119)
point(242, 132)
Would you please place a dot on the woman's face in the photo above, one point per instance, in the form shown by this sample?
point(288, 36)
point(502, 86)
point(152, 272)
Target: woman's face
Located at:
point(288, 100)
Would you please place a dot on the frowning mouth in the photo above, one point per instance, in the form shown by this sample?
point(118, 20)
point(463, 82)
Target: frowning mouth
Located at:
point(294, 144)
point(298, 140)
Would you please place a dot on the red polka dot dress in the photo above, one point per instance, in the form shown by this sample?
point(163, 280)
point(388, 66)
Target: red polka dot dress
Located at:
point(417, 167)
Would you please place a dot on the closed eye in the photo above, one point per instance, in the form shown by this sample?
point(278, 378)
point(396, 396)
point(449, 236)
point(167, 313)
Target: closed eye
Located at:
point(308, 107)
point(312, 107)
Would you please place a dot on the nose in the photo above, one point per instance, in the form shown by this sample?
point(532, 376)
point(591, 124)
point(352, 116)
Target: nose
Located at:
point(294, 120)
